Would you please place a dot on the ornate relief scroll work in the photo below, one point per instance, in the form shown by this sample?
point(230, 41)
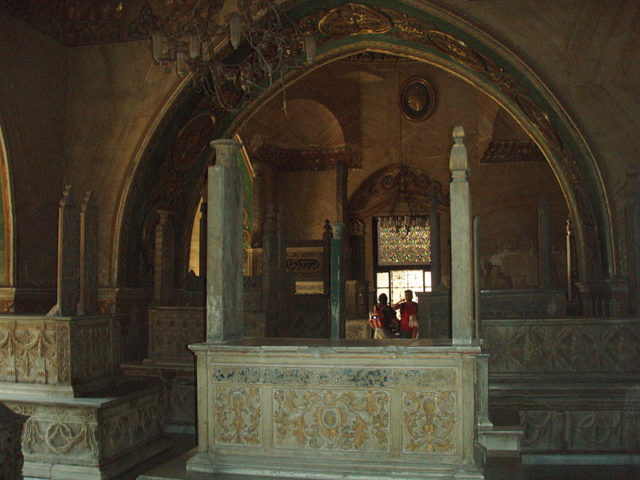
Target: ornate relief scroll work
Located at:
point(59, 438)
point(237, 415)
point(332, 420)
point(354, 19)
point(429, 422)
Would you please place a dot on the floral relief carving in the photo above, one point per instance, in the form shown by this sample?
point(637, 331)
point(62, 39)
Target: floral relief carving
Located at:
point(237, 414)
point(332, 420)
point(27, 352)
point(429, 422)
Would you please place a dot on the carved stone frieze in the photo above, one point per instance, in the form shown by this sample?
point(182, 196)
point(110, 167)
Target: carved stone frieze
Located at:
point(429, 422)
point(354, 19)
point(237, 414)
point(501, 151)
point(580, 431)
point(332, 419)
point(28, 351)
point(556, 347)
point(59, 438)
point(353, 377)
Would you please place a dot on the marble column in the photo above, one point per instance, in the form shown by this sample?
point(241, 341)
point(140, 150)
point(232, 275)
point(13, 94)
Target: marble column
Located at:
point(341, 191)
point(569, 261)
point(434, 227)
point(544, 244)
point(202, 254)
point(259, 202)
point(88, 304)
point(476, 273)
point(327, 236)
point(163, 258)
point(224, 245)
point(461, 243)
point(270, 269)
point(68, 278)
point(337, 282)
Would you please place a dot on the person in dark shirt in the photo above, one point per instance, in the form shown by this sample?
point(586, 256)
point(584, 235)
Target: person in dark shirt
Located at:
point(387, 316)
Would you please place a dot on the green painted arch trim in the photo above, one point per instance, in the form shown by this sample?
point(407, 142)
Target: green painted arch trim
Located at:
point(507, 79)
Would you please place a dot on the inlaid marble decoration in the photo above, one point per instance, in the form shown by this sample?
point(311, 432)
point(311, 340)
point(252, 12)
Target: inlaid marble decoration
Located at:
point(237, 414)
point(429, 422)
point(348, 420)
point(431, 378)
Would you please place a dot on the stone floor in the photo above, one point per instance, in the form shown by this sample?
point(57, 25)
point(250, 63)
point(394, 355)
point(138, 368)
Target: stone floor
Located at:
point(171, 466)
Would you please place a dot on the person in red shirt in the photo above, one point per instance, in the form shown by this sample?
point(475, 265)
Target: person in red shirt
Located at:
point(408, 308)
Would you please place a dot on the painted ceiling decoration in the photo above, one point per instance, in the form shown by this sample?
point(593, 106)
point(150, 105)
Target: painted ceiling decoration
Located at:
point(502, 151)
point(298, 160)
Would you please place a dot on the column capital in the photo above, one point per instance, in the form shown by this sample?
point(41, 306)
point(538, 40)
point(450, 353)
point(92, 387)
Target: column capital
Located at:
point(226, 151)
point(458, 158)
point(338, 230)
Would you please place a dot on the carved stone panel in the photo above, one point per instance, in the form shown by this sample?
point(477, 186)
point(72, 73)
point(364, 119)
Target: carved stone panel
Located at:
point(237, 415)
point(429, 422)
point(351, 420)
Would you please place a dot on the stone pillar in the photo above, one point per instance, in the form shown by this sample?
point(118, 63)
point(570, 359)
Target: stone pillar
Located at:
point(270, 269)
point(544, 244)
point(341, 191)
point(259, 202)
point(202, 254)
point(476, 273)
point(356, 234)
point(88, 304)
point(461, 243)
point(337, 282)
point(327, 236)
point(224, 245)
point(633, 255)
point(163, 258)
point(569, 262)
point(68, 277)
point(434, 227)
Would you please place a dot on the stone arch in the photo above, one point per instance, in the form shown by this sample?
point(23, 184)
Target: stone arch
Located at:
point(6, 219)
point(447, 41)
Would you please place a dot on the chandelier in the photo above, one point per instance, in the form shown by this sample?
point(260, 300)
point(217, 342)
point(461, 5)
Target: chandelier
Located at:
point(189, 32)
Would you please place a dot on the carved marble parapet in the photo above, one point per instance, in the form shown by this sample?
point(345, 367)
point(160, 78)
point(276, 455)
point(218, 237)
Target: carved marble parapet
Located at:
point(171, 330)
point(57, 355)
point(89, 438)
point(562, 346)
point(344, 407)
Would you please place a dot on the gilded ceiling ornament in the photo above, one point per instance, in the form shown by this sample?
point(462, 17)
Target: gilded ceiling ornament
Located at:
point(354, 19)
point(540, 119)
point(457, 49)
point(417, 99)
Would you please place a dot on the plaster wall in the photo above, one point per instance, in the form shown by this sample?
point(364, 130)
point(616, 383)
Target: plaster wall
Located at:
point(32, 105)
point(588, 53)
point(116, 94)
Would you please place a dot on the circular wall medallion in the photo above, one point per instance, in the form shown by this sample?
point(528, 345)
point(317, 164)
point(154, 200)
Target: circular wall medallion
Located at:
point(417, 99)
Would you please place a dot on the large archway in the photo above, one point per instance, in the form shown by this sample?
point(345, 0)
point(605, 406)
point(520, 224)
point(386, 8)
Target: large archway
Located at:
point(434, 36)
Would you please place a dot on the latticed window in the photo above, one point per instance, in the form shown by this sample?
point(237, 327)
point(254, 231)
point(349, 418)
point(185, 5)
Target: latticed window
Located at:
point(403, 256)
